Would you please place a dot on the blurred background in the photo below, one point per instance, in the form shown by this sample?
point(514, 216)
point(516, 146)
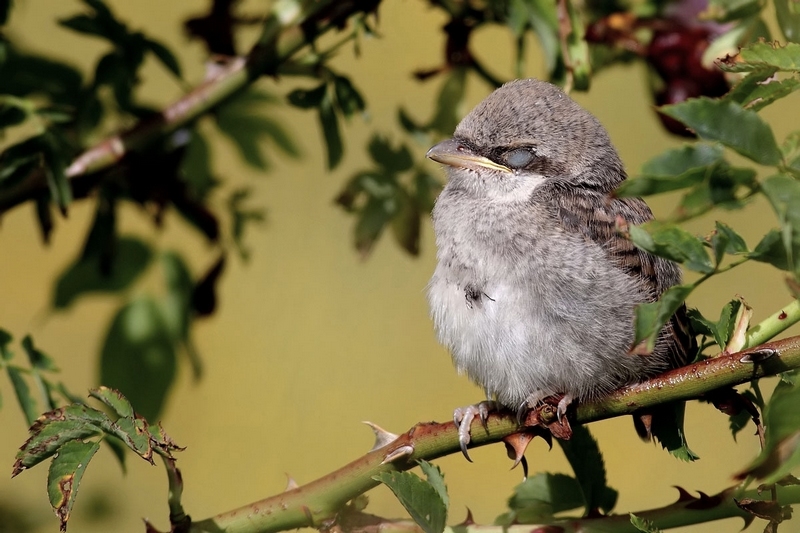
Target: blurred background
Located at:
point(310, 338)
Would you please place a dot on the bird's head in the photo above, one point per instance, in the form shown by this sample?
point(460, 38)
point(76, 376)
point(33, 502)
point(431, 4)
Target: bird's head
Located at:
point(523, 134)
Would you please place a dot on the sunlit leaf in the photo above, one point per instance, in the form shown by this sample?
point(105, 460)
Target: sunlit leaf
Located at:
point(651, 317)
point(672, 242)
point(725, 240)
point(114, 399)
point(643, 525)
point(727, 122)
point(435, 477)
point(138, 356)
point(771, 250)
point(539, 497)
point(760, 55)
point(66, 473)
point(420, 498)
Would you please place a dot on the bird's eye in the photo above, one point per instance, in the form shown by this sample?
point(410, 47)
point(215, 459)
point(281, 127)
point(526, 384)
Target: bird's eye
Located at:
point(519, 157)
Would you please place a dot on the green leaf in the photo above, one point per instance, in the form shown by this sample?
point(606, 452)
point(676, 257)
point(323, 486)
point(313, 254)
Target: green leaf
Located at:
point(769, 92)
point(651, 317)
point(420, 498)
point(330, 130)
point(5, 339)
point(674, 169)
point(55, 428)
point(165, 56)
point(138, 357)
point(539, 497)
point(86, 275)
point(114, 399)
point(55, 170)
point(371, 222)
point(584, 456)
point(348, 98)
point(245, 122)
point(406, 223)
point(667, 428)
point(450, 98)
point(781, 453)
point(85, 24)
point(728, 10)
point(66, 473)
point(542, 17)
point(725, 240)
point(385, 156)
point(307, 99)
point(196, 167)
point(11, 113)
point(176, 304)
point(242, 218)
point(762, 55)
point(783, 193)
point(788, 16)
point(724, 121)
point(643, 525)
point(23, 394)
point(674, 243)
point(435, 477)
point(5, 10)
point(38, 359)
point(771, 250)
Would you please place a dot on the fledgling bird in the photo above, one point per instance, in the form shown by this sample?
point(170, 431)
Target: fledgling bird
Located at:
point(535, 289)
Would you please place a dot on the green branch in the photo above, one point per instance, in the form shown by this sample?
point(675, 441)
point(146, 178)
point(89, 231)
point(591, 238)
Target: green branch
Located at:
point(320, 501)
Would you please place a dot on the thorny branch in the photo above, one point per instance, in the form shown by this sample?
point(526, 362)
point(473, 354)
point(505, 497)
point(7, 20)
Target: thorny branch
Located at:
point(320, 501)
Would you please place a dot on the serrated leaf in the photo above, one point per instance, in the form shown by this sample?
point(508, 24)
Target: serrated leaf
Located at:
point(165, 56)
point(761, 55)
point(138, 356)
point(643, 525)
point(55, 428)
point(727, 322)
point(86, 275)
point(586, 461)
point(674, 243)
point(783, 193)
point(435, 477)
point(65, 475)
point(114, 399)
point(420, 498)
point(727, 122)
point(725, 240)
point(651, 317)
point(781, 453)
point(771, 250)
point(539, 497)
point(667, 428)
point(23, 393)
point(769, 92)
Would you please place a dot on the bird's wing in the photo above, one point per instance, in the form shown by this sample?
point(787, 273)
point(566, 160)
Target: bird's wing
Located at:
point(594, 215)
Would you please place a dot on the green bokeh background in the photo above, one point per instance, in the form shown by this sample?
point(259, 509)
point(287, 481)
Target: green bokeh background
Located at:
point(309, 339)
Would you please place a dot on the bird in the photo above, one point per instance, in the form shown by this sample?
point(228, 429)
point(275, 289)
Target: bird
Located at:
point(535, 287)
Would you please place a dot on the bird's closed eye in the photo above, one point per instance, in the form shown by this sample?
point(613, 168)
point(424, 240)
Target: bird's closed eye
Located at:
point(519, 157)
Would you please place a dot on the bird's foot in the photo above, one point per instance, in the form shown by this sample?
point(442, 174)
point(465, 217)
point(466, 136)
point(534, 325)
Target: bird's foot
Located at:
point(563, 404)
point(463, 417)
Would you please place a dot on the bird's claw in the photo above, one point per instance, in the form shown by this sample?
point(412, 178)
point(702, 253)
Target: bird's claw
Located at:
point(463, 417)
point(563, 404)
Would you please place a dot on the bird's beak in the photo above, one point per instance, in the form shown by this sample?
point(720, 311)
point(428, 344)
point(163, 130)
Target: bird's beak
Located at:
point(453, 153)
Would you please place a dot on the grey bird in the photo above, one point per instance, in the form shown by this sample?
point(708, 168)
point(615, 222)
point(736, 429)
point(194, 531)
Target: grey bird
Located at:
point(535, 288)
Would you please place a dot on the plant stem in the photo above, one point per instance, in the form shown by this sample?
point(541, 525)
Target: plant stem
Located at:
point(775, 324)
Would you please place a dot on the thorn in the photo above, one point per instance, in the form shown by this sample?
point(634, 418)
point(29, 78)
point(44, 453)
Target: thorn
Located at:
point(291, 484)
point(516, 445)
point(468, 521)
point(683, 495)
point(402, 451)
point(757, 356)
point(382, 437)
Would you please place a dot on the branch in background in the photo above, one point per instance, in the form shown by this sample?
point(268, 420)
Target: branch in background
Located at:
point(291, 26)
point(320, 501)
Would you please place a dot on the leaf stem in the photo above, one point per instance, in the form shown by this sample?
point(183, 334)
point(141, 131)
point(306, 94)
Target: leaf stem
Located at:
point(778, 322)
